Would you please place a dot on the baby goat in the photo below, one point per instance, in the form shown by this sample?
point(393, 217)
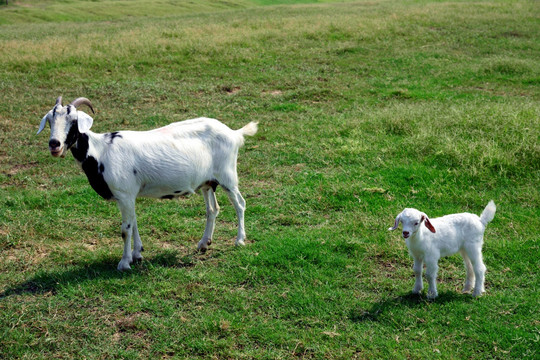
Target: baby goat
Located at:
point(166, 163)
point(445, 236)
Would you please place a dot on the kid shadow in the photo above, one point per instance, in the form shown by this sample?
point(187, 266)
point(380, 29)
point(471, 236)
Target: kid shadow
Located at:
point(409, 300)
point(102, 269)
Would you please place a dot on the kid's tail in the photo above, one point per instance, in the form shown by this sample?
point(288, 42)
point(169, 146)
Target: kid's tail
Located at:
point(488, 214)
point(250, 129)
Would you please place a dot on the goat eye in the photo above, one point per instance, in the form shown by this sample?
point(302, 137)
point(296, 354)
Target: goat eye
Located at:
point(415, 223)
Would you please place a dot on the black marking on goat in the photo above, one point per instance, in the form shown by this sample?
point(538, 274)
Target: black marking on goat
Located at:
point(72, 136)
point(112, 136)
point(181, 193)
point(134, 171)
point(128, 226)
point(210, 183)
point(168, 197)
point(80, 150)
point(213, 183)
point(124, 235)
point(68, 109)
point(98, 183)
point(91, 167)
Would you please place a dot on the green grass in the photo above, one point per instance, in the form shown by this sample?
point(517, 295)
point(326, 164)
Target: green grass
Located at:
point(36, 11)
point(364, 108)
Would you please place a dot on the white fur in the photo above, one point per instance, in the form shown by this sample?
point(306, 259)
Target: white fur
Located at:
point(174, 160)
point(463, 233)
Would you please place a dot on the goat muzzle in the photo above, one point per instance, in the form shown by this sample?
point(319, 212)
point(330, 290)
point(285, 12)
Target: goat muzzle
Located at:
point(56, 148)
point(57, 153)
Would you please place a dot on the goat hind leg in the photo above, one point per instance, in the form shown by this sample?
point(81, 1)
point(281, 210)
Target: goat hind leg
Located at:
point(475, 254)
point(240, 206)
point(469, 281)
point(137, 244)
point(212, 211)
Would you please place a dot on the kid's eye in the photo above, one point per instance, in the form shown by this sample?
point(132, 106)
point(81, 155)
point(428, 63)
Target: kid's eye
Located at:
point(415, 223)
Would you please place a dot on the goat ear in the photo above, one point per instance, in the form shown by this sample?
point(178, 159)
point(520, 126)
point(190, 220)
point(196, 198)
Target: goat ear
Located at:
point(84, 121)
point(396, 223)
point(428, 223)
point(43, 122)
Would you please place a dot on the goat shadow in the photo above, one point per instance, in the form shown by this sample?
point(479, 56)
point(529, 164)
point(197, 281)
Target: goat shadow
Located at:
point(102, 269)
point(412, 301)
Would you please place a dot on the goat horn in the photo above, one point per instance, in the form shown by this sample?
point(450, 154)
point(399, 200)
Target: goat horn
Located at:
point(83, 101)
point(59, 100)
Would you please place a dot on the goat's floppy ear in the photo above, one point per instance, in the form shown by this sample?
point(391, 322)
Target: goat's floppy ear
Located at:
point(84, 121)
point(396, 223)
point(428, 223)
point(43, 122)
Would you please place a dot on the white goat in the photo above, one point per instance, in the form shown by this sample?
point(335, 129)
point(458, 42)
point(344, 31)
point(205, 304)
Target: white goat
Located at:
point(445, 236)
point(166, 163)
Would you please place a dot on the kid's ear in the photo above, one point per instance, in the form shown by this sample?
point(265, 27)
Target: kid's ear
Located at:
point(428, 223)
point(43, 122)
point(396, 223)
point(84, 121)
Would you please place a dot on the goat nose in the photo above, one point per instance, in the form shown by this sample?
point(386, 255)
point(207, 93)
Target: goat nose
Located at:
point(53, 144)
point(405, 234)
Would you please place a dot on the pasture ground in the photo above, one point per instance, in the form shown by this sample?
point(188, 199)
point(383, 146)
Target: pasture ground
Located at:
point(364, 108)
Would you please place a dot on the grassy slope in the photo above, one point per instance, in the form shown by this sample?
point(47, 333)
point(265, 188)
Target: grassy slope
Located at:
point(364, 108)
point(82, 11)
point(30, 11)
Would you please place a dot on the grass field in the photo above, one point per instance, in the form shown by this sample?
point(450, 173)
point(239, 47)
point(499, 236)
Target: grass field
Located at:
point(364, 108)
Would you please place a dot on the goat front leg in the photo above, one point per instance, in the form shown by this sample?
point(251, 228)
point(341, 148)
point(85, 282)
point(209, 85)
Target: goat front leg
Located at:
point(127, 208)
point(212, 211)
point(431, 274)
point(417, 268)
point(240, 206)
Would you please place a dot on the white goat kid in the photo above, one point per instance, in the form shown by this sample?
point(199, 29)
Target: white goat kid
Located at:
point(445, 236)
point(172, 161)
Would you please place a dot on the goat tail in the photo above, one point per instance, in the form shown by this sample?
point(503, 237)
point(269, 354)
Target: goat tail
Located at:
point(250, 129)
point(488, 214)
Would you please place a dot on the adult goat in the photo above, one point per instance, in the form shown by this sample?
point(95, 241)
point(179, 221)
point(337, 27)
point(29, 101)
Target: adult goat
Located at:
point(172, 161)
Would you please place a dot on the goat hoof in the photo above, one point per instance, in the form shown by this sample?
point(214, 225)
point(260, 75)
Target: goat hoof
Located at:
point(203, 245)
point(137, 258)
point(240, 243)
point(123, 266)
